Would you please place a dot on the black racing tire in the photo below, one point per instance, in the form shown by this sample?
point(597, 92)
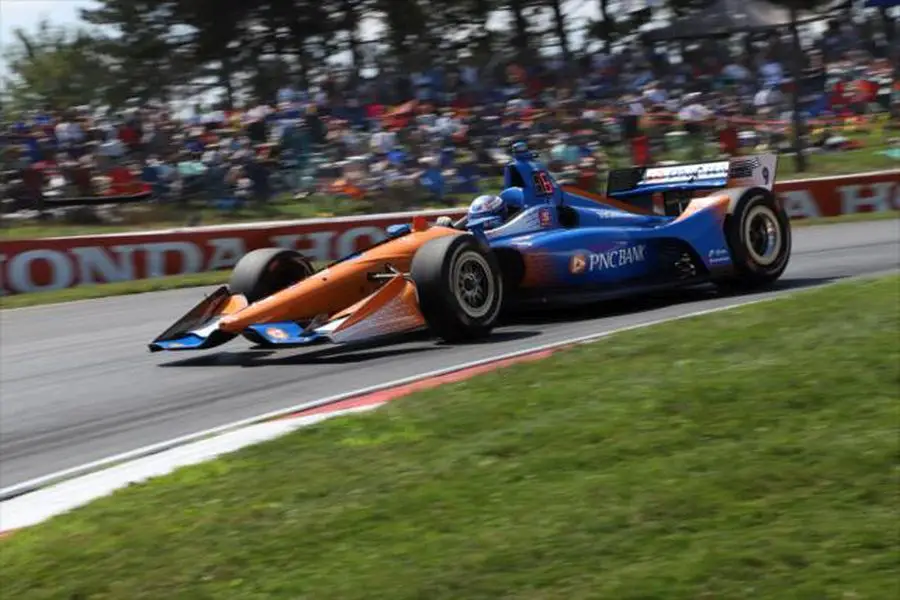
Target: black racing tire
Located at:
point(459, 287)
point(758, 234)
point(264, 272)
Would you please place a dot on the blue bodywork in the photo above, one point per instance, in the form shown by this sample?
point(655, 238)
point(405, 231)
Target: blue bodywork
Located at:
point(565, 245)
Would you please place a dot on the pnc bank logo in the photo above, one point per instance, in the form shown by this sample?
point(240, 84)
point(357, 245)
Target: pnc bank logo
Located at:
point(608, 260)
point(578, 264)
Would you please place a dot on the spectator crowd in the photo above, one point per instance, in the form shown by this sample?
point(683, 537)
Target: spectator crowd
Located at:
point(404, 140)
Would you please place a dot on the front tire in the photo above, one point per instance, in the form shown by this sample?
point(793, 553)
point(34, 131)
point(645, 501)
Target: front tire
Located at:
point(267, 271)
point(759, 238)
point(459, 286)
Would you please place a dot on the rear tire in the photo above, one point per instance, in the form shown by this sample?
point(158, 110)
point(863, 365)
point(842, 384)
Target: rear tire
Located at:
point(266, 271)
point(459, 287)
point(759, 238)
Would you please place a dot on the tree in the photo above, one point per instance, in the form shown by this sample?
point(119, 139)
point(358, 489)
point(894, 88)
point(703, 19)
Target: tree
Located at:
point(521, 39)
point(559, 21)
point(797, 65)
point(405, 21)
point(891, 33)
point(56, 68)
point(458, 25)
point(216, 44)
point(144, 46)
point(611, 29)
point(349, 15)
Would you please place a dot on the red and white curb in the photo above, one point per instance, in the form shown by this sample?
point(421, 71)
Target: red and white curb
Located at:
point(33, 507)
point(40, 499)
point(37, 506)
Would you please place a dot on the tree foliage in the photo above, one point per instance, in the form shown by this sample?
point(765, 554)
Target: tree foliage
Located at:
point(159, 49)
point(54, 68)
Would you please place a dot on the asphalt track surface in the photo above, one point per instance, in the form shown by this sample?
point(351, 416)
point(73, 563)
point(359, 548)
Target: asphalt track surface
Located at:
point(77, 383)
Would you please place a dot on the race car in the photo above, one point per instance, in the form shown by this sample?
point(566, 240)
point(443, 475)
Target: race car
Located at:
point(534, 244)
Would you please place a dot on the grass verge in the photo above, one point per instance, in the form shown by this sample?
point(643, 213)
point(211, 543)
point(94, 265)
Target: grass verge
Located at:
point(747, 454)
point(183, 281)
point(153, 217)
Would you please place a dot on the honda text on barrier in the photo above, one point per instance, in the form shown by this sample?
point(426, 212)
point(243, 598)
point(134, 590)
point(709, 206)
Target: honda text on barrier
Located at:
point(534, 244)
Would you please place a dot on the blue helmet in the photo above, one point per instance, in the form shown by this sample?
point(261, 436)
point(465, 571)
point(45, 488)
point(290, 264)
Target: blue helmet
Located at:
point(488, 211)
point(493, 211)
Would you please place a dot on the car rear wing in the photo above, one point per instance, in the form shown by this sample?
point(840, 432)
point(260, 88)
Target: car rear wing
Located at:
point(744, 171)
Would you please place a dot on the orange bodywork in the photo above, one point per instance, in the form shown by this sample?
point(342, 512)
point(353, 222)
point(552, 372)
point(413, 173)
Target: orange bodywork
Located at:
point(718, 204)
point(344, 288)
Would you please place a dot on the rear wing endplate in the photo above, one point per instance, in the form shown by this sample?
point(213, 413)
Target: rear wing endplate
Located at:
point(743, 171)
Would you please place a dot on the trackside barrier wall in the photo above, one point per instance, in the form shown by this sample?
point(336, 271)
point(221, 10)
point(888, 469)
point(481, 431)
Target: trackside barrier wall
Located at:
point(57, 263)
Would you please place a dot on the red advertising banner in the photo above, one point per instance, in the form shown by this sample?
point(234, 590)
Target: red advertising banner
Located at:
point(840, 195)
point(57, 263)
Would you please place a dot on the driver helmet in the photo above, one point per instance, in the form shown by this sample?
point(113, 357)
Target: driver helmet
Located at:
point(492, 211)
point(487, 211)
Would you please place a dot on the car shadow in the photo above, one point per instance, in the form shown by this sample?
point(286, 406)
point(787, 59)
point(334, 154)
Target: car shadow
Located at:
point(361, 352)
point(652, 301)
point(790, 283)
point(422, 342)
point(496, 337)
point(286, 356)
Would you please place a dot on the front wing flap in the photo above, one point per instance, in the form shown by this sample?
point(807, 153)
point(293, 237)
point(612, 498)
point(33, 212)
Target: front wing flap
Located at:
point(198, 329)
point(391, 309)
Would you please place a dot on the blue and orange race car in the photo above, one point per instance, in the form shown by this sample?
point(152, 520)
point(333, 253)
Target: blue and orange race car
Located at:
point(534, 244)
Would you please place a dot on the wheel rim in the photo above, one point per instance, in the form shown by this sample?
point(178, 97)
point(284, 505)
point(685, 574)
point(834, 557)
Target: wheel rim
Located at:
point(473, 284)
point(762, 235)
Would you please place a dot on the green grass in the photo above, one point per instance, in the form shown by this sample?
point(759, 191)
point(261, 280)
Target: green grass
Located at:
point(837, 163)
point(746, 454)
point(165, 217)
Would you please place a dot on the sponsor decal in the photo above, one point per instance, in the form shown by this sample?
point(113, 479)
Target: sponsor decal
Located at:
point(545, 219)
point(718, 256)
point(578, 264)
point(523, 242)
point(51, 264)
point(616, 258)
point(607, 260)
point(743, 169)
point(835, 196)
point(276, 333)
point(543, 185)
point(608, 213)
point(660, 175)
point(753, 170)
